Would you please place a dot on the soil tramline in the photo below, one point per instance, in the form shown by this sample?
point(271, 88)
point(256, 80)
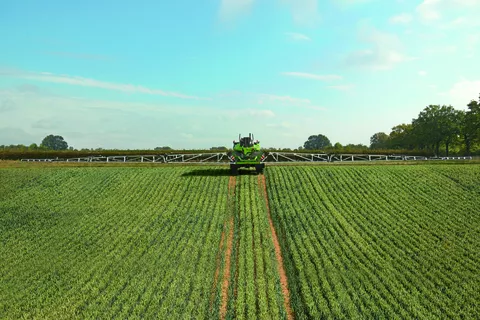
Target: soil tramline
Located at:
point(300, 242)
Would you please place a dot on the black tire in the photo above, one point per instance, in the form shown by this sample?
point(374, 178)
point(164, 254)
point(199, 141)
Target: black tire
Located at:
point(233, 170)
point(259, 168)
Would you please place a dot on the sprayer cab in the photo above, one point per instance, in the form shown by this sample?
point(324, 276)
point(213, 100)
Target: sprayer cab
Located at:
point(246, 153)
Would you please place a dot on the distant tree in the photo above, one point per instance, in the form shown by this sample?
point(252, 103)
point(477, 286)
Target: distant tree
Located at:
point(402, 137)
point(470, 128)
point(33, 146)
point(317, 142)
point(162, 148)
point(355, 147)
point(436, 124)
point(54, 143)
point(452, 127)
point(219, 148)
point(338, 146)
point(379, 141)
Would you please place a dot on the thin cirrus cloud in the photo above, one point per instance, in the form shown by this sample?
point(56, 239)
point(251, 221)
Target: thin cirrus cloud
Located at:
point(304, 12)
point(288, 101)
point(232, 9)
point(345, 87)
point(297, 36)
point(80, 56)
point(312, 76)
point(385, 52)
point(431, 10)
point(402, 18)
point(93, 83)
point(264, 98)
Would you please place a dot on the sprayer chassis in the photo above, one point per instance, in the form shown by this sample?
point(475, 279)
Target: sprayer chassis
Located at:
point(235, 166)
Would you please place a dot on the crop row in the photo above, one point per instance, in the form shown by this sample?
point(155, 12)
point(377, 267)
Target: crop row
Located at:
point(256, 292)
point(379, 241)
point(109, 242)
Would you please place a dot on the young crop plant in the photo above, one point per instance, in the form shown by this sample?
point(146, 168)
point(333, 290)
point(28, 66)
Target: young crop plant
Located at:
point(379, 241)
point(300, 242)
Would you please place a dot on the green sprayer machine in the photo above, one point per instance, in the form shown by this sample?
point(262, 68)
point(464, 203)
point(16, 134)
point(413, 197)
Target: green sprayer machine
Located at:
point(246, 154)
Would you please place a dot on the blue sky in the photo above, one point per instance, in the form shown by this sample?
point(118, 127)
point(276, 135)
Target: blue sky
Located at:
point(194, 74)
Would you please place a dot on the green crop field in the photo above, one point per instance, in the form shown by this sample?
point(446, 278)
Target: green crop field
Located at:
point(171, 242)
point(380, 241)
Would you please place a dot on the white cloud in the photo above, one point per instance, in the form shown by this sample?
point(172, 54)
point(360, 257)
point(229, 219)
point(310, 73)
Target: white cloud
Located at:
point(345, 87)
point(422, 73)
point(232, 9)
point(350, 3)
point(284, 124)
point(254, 113)
point(288, 101)
point(386, 50)
point(264, 98)
point(261, 113)
point(433, 10)
point(93, 83)
point(326, 77)
point(259, 98)
point(449, 49)
point(317, 108)
point(104, 123)
point(188, 136)
point(297, 36)
point(304, 12)
point(428, 9)
point(402, 18)
point(464, 21)
point(472, 41)
point(270, 101)
point(462, 92)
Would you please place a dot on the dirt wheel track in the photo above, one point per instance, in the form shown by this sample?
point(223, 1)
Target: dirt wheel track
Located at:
point(278, 252)
point(228, 251)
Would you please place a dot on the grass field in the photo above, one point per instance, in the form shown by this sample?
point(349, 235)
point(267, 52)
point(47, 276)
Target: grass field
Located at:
point(190, 241)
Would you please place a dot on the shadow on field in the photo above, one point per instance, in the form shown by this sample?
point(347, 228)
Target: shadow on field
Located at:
point(216, 173)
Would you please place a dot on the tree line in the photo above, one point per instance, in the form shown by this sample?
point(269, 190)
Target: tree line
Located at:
point(436, 128)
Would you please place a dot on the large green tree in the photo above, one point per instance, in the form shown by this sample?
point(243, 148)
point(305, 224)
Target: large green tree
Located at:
point(437, 124)
point(470, 125)
point(54, 143)
point(379, 140)
point(317, 142)
point(402, 137)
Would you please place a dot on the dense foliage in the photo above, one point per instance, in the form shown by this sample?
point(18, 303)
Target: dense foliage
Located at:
point(317, 142)
point(54, 142)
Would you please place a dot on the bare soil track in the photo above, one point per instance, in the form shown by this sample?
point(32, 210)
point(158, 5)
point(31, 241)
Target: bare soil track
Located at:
point(278, 252)
point(226, 243)
point(228, 251)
